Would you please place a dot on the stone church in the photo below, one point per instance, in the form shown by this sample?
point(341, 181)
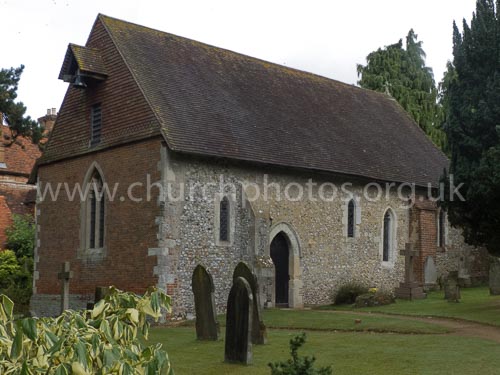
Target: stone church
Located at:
point(168, 153)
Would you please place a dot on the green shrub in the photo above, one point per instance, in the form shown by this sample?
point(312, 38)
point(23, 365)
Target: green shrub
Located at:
point(298, 365)
point(21, 235)
point(16, 279)
point(347, 293)
point(378, 298)
point(16, 264)
point(102, 341)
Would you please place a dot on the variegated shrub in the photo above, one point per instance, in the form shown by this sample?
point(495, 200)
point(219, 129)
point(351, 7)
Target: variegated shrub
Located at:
point(106, 340)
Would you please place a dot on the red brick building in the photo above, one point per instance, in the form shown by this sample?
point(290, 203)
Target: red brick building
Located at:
point(180, 136)
point(17, 158)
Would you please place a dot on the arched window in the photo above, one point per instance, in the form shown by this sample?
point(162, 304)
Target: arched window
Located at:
point(224, 219)
point(94, 210)
point(387, 234)
point(441, 228)
point(351, 212)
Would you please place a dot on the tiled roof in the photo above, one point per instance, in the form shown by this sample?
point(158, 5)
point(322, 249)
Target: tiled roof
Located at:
point(88, 60)
point(20, 156)
point(214, 102)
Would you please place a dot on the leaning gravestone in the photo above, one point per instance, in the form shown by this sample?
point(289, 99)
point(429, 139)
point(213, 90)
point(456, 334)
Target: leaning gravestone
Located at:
point(451, 287)
point(238, 346)
point(494, 281)
point(259, 334)
point(207, 326)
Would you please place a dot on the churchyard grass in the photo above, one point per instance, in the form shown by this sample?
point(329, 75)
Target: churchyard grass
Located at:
point(476, 304)
point(348, 352)
point(325, 321)
point(378, 345)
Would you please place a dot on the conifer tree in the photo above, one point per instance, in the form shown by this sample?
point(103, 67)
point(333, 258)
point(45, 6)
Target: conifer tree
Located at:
point(14, 113)
point(471, 100)
point(401, 73)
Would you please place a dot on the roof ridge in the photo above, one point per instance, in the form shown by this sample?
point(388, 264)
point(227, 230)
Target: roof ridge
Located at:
point(282, 67)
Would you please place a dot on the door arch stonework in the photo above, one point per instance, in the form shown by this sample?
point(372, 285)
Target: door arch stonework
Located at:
point(294, 263)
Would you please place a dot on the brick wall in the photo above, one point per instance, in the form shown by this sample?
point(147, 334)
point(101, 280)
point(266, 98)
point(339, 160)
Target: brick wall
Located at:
point(129, 231)
point(426, 240)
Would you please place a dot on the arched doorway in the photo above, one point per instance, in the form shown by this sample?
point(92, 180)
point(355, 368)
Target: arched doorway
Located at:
point(280, 256)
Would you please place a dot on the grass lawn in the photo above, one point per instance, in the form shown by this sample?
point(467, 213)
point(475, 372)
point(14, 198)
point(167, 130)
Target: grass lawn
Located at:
point(325, 321)
point(404, 347)
point(349, 353)
point(316, 320)
point(476, 304)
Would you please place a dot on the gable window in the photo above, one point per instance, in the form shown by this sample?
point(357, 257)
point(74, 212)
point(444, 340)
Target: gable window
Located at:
point(94, 221)
point(95, 124)
point(387, 234)
point(351, 212)
point(224, 219)
point(441, 228)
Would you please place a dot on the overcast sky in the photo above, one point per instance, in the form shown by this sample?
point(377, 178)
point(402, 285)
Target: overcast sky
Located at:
point(325, 37)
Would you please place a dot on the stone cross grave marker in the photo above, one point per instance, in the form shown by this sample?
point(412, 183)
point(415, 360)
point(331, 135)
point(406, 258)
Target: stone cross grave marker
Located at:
point(238, 345)
point(65, 275)
point(207, 326)
point(409, 289)
point(259, 335)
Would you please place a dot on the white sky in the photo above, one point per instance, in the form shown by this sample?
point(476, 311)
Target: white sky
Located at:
point(325, 37)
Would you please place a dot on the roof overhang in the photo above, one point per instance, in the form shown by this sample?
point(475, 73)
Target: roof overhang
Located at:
point(82, 63)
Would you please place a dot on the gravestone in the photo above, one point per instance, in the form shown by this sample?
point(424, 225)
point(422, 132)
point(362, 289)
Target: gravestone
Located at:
point(100, 293)
point(238, 345)
point(409, 289)
point(451, 287)
point(259, 334)
point(494, 281)
point(65, 275)
point(430, 272)
point(207, 326)
point(464, 280)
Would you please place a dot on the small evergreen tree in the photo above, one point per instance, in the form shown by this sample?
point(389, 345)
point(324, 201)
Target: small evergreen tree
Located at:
point(298, 365)
point(401, 73)
point(15, 113)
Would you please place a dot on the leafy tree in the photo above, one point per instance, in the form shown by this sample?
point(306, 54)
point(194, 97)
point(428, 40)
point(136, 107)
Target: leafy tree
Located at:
point(401, 73)
point(298, 365)
point(471, 99)
point(15, 113)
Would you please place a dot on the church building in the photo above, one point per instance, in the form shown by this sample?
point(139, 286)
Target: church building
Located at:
point(168, 153)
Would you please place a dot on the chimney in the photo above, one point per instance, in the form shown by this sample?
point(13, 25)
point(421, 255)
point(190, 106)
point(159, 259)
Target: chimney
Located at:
point(2, 155)
point(48, 120)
